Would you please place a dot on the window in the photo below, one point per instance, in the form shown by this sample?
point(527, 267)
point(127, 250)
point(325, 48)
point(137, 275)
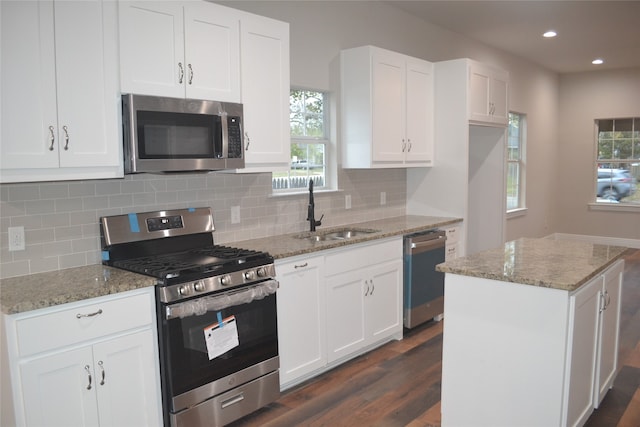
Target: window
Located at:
point(309, 142)
point(618, 160)
point(516, 161)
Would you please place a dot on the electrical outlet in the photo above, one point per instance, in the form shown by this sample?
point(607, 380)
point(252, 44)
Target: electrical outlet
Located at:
point(235, 214)
point(16, 238)
point(383, 198)
point(347, 201)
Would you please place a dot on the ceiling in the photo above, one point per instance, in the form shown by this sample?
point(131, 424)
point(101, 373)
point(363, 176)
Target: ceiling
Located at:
point(586, 29)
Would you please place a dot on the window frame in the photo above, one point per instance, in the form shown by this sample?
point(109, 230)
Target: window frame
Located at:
point(521, 207)
point(601, 204)
point(324, 140)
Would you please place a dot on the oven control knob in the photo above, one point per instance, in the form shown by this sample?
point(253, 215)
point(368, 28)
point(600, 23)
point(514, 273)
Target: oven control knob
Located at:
point(225, 280)
point(250, 275)
point(183, 290)
point(199, 286)
point(262, 272)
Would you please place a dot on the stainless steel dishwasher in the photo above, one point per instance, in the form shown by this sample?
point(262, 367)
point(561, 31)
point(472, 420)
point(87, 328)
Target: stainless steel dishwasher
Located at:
point(423, 285)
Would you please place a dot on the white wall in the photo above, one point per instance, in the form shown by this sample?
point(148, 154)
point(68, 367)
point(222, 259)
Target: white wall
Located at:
point(585, 97)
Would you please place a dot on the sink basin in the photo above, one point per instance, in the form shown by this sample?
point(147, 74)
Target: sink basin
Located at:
point(341, 234)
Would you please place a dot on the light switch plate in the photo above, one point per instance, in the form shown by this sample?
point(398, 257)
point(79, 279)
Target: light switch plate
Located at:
point(347, 201)
point(16, 238)
point(383, 197)
point(235, 214)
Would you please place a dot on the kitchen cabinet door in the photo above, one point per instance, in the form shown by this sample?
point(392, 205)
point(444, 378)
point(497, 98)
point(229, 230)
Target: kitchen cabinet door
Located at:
point(384, 300)
point(346, 327)
point(419, 112)
point(609, 331)
point(59, 390)
point(126, 382)
point(60, 91)
point(488, 94)
point(301, 318)
point(388, 98)
point(265, 93)
point(581, 360)
point(180, 49)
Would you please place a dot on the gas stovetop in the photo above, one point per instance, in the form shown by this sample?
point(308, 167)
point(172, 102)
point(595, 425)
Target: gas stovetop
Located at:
point(176, 247)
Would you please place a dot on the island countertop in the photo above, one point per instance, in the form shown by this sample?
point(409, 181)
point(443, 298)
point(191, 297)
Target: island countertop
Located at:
point(557, 264)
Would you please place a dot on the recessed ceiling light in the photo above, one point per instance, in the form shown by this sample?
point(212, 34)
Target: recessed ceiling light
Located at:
point(550, 34)
point(597, 61)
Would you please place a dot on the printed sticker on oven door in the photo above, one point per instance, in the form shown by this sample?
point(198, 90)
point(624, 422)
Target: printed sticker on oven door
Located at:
point(221, 336)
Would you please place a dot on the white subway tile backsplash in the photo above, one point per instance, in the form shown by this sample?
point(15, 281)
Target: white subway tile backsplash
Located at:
point(61, 219)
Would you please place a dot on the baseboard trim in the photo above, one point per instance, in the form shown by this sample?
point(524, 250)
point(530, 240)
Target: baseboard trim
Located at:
point(602, 240)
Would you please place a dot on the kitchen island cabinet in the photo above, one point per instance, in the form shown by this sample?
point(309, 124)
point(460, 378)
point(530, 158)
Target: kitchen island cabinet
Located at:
point(534, 326)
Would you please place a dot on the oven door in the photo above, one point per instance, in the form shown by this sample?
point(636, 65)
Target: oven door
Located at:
point(206, 350)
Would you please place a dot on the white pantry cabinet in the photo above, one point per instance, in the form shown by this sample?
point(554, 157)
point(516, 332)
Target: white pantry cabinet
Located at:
point(60, 91)
point(91, 363)
point(301, 317)
point(488, 94)
point(337, 304)
point(364, 297)
point(264, 46)
point(387, 109)
point(182, 49)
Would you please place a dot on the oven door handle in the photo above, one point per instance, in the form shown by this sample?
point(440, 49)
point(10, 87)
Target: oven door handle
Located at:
point(200, 306)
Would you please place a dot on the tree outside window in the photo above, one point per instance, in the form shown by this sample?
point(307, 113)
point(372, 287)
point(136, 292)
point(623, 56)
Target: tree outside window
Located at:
point(309, 141)
point(618, 160)
point(516, 161)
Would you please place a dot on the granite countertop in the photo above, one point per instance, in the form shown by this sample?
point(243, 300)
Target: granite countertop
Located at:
point(557, 264)
point(34, 291)
point(288, 245)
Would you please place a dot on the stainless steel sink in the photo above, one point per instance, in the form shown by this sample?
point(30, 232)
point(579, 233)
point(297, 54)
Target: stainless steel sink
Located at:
point(340, 234)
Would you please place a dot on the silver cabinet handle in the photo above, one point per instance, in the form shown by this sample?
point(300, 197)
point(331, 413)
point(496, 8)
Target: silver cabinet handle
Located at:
point(366, 294)
point(52, 138)
point(190, 73)
point(181, 69)
point(246, 136)
point(102, 369)
point(66, 137)
point(603, 302)
point(95, 313)
point(88, 369)
point(404, 145)
point(373, 287)
point(410, 145)
point(301, 266)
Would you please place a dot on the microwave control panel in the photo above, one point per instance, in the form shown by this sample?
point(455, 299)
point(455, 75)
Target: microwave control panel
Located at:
point(235, 138)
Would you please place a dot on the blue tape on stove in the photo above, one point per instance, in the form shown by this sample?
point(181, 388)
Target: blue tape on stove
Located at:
point(105, 255)
point(134, 227)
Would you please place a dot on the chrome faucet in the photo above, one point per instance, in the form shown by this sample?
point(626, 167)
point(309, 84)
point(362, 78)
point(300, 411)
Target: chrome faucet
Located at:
point(311, 215)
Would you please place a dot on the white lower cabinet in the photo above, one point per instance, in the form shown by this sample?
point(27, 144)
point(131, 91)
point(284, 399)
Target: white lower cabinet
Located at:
point(100, 368)
point(336, 305)
point(301, 317)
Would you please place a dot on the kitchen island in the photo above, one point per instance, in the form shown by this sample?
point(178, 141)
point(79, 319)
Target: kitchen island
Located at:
point(530, 333)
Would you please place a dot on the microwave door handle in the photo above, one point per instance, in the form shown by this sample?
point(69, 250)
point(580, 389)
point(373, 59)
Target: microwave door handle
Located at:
point(225, 135)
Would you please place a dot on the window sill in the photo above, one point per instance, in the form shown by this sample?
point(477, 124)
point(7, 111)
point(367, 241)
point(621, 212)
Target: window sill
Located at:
point(614, 207)
point(515, 213)
point(305, 192)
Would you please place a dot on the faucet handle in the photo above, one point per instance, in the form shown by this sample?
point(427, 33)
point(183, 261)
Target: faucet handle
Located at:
point(319, 222)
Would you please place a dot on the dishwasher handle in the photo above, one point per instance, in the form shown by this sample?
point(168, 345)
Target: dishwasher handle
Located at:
point(425, 243)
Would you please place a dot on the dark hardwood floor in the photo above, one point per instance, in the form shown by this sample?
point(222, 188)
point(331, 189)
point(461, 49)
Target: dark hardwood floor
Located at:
point(399, 383)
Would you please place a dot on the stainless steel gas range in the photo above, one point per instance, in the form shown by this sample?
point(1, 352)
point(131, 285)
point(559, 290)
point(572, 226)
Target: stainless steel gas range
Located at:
point(216, 307)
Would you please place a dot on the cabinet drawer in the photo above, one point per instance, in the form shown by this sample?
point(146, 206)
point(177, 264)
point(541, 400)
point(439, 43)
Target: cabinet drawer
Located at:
point(452, 234)
point(59, 327)
point(359, 256)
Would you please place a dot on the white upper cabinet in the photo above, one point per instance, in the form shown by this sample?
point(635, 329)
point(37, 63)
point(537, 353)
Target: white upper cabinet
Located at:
point(60, 91)
point(180, 49)
point(387, 109)
point(264, 46)
point(488, 94)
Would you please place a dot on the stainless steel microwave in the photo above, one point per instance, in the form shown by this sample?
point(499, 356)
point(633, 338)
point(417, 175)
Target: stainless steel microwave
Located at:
point(181, 135)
